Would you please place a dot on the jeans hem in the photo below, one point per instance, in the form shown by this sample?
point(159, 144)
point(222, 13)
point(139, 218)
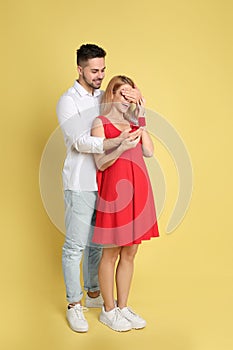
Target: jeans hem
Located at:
point(96, 289)
point(74, 300)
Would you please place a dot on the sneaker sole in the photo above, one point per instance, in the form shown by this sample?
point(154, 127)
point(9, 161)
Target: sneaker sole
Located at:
point(139, 327)
point(79, 330)
point(115, 329)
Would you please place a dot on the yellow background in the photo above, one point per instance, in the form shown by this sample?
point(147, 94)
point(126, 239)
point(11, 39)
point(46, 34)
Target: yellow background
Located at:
point(180, 54)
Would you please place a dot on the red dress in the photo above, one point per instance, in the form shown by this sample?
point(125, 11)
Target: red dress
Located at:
point(125, 212)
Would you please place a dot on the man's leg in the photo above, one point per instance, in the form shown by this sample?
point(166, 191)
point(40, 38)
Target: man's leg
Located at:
point(92, 256)
point(78, 218)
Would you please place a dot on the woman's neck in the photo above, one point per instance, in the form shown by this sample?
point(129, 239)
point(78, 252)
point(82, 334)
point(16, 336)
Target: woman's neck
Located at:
point(116, 115)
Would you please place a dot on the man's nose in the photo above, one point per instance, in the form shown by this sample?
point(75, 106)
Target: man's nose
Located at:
point(100, 75)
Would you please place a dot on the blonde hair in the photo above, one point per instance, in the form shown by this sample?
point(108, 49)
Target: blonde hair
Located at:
point(113, 86)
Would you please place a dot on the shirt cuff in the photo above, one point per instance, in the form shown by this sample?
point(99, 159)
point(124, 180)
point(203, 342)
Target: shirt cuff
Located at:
point(90, 144)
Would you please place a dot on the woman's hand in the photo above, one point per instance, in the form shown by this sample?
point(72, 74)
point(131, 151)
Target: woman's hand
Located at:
point(129, 143)
point(127, 134)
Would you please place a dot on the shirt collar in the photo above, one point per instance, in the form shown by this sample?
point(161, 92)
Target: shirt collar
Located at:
point(83, 92)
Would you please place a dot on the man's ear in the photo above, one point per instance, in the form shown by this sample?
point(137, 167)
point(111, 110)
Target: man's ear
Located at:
point(80, 70)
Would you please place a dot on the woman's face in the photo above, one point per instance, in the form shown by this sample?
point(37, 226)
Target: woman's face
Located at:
point(121, 104)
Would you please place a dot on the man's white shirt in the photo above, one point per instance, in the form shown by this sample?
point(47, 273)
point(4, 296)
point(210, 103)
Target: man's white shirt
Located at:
point(76, 110)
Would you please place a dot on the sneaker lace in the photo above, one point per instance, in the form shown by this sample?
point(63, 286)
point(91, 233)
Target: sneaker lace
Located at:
point(79, 309)
point(118, 315)
point(130, 312)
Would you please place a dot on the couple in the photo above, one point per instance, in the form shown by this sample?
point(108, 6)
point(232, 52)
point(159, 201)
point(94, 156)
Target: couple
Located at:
point(111, 139)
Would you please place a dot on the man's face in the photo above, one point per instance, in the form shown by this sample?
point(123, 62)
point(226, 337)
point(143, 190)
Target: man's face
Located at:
point(92, 74)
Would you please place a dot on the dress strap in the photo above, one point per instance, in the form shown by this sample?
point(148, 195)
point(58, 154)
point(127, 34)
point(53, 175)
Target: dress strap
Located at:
point(104, 119)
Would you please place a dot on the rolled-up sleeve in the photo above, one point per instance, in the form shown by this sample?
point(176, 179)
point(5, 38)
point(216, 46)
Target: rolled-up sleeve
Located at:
point(89, 144)
point(76, 131)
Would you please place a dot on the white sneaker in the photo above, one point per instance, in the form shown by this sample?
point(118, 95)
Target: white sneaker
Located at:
point(76, 318)
point(94, 302)
point(115, 320)
point(137, 322)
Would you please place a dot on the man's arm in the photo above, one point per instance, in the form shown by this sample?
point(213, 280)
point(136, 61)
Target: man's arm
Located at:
point(134, 95)
point(76, 136)
point(71, 124)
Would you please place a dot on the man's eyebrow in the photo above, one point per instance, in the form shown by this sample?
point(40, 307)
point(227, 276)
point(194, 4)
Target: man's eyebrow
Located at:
point(98, 68)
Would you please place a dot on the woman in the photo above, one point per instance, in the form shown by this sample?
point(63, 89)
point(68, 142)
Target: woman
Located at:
point(125, 211)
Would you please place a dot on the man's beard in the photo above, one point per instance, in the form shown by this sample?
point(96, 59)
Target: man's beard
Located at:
point(91, 84)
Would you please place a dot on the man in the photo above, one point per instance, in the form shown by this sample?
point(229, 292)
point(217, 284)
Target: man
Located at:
point(76, 110)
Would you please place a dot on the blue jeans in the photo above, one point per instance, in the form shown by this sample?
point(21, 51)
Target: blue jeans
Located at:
point(79, 222)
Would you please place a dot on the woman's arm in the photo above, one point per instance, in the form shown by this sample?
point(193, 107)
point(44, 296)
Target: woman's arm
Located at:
point(147, 144)
point(105, 160)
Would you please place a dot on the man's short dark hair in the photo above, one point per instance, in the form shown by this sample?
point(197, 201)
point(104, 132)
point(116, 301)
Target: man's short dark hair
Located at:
point(88, 51)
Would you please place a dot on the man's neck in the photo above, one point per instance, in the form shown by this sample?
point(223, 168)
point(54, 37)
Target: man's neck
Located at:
point(87, 87)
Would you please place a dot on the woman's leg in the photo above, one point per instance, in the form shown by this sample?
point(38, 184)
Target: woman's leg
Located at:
point(106, 276)
point(124, 273)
